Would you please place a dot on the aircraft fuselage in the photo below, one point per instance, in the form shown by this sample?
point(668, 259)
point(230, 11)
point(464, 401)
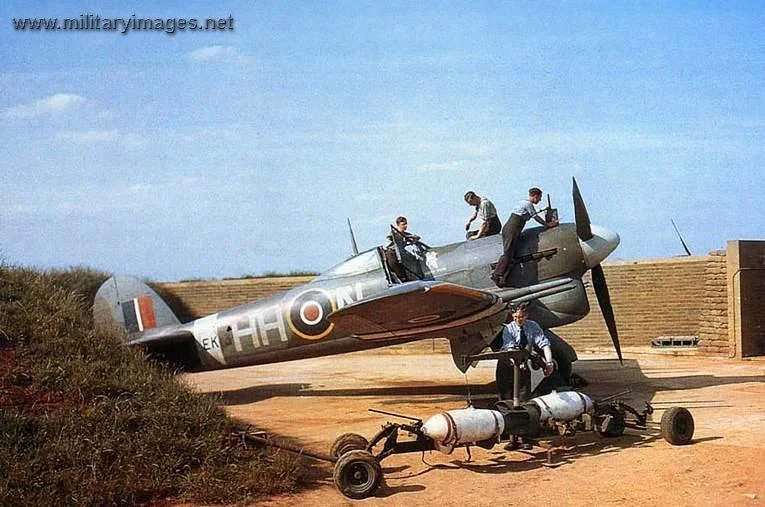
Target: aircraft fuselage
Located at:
point(294, 325)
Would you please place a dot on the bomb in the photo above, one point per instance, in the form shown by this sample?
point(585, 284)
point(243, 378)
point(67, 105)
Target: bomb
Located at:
point(456, 428)
point(563, 406)
point(464, 426)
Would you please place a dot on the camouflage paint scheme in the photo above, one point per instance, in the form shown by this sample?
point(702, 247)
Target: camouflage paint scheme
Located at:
point(355, 305)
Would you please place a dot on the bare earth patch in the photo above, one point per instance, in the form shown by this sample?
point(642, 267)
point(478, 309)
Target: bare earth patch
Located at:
point(316, 400)
point(17, 392)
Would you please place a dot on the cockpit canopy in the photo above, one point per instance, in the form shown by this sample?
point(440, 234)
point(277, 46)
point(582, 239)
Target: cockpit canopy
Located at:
point(359, 264)
point(413, 257)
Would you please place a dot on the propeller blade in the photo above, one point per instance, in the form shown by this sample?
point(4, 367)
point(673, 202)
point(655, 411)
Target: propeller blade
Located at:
point(581, 217)
point(604, 300)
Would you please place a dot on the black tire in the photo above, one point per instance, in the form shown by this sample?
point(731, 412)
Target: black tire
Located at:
point(616, 426)
point(677, 426)
point(357, 474)
point(347, 442)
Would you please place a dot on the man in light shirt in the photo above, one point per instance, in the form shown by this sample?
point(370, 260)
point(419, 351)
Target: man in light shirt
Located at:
point(522, 213)
point(484, 208)
point(522, 333)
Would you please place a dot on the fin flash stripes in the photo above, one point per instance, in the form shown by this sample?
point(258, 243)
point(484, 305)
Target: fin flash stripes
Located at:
point(139, 314)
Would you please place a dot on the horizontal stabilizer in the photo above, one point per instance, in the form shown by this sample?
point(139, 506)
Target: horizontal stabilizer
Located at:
point(419, 309)
point(161, 336)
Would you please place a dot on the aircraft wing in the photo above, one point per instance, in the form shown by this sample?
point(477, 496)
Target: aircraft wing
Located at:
point(422, 310)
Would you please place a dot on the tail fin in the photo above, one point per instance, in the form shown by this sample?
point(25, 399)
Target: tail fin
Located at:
point(127, 303)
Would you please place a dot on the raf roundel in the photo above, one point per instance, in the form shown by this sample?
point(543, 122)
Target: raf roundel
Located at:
point(308, 314)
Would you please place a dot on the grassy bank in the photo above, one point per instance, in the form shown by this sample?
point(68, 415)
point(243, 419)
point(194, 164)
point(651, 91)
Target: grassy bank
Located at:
point(85, 420)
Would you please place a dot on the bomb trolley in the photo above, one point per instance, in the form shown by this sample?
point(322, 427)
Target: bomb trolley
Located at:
point(357, 471)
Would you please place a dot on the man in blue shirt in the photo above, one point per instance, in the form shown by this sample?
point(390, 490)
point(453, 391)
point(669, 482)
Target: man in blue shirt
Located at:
point(522, 333)
point(522, 213)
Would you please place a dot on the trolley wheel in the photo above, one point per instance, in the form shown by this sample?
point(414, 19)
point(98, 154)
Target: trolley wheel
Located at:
point(615, 427)
point(677, 426)
point(357, 474)
point(347, 442)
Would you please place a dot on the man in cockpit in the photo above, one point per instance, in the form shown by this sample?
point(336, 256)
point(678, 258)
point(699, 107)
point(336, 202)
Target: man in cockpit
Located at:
point(390, 249)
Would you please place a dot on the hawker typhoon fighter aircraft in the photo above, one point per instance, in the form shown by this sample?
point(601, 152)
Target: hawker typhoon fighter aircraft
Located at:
point(359, 304)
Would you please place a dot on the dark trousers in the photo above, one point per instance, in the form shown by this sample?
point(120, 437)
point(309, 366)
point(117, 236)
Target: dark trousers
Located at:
point(510, 233)
point(504, 375)
point(495, 226)
point(394, 265)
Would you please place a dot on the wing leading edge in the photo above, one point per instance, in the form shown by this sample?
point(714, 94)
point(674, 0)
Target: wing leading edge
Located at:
point(421, 310)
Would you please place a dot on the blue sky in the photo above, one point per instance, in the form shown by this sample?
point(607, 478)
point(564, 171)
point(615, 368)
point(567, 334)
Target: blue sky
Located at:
point(205, 154)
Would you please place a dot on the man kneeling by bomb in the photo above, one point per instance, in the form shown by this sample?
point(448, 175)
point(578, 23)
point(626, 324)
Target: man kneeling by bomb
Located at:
point(523, 333)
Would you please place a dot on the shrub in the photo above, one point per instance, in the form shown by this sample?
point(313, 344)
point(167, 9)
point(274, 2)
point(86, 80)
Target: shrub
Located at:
point(86, 420)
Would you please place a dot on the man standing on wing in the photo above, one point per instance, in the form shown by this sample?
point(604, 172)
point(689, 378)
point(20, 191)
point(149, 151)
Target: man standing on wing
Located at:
point(522, 213)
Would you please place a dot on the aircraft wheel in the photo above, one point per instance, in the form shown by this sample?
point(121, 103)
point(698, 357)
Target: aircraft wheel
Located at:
point(347, 442)
point(615, 427)
point(677, 426)
point(357, 474)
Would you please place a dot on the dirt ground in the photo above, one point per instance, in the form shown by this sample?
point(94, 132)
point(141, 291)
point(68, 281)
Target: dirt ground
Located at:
point(315, 400)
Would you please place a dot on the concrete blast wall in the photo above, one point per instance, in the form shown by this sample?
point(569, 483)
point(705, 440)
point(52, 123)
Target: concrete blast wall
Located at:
point(746, 297)
point(657, 298)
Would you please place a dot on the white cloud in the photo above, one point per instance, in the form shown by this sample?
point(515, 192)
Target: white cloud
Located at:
point(55, 104)
point(140, 188)
point(626, 140)
point(100, 136)
point(441, 60)
point(477, 148)
point(203, 135)
point(222, 54)
point(105, 114)
point(43, 200)
point(454, 165)
point(594, 140)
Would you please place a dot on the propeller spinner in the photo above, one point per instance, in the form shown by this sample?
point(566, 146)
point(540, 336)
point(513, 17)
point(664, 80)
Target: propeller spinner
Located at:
point(597, 243)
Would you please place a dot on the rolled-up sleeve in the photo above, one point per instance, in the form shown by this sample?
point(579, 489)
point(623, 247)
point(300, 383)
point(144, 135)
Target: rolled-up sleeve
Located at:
point(537, 335)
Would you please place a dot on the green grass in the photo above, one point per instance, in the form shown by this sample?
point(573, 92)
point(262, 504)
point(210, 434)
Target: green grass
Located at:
point(85, 420)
